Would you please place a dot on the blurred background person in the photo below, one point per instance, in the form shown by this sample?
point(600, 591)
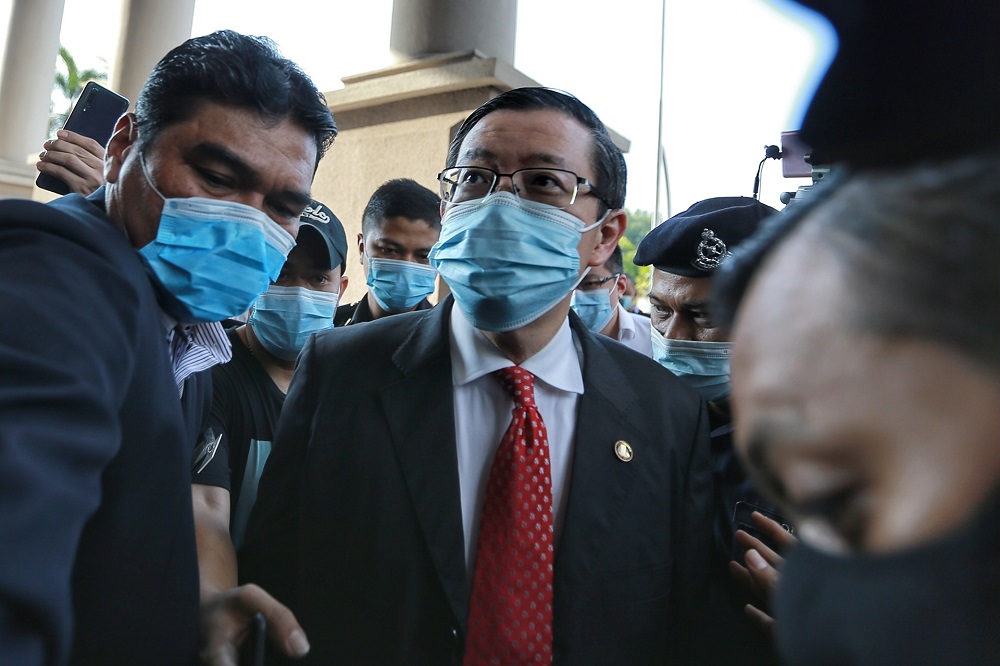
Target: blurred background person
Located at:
point(630, 299)
point(401, 223)
point(597, 301)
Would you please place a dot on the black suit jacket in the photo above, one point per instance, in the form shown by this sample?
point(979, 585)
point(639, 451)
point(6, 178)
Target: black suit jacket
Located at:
point(97, 556)
point(358, 522)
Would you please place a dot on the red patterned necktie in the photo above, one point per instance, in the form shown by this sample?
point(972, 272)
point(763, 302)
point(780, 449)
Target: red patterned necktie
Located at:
point(510, 614)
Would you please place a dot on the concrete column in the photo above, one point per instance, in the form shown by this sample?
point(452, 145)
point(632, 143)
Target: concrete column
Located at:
point(150, 28)
point(26, 85)
point(432, 27)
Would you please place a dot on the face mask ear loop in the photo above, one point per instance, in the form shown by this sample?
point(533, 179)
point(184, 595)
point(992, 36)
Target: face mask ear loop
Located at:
point(583, 231)
point(149, 179)
point(598, 223)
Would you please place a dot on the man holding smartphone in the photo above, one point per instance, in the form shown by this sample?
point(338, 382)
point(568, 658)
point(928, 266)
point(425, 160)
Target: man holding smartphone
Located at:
point(112, 314)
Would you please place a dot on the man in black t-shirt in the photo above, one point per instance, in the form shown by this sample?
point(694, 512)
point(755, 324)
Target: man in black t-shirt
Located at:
point(248, 391)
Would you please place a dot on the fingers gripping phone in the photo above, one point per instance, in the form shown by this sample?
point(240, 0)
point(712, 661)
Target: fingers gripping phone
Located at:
point(94, 115)
point(743, 521)
point(252, 651)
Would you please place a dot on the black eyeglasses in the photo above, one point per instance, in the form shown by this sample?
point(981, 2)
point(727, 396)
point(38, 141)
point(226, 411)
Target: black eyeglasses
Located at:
point(596, 283)
point(554, 187)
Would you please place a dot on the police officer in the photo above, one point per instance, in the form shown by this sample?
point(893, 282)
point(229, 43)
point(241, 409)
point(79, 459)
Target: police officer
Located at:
point(685, 252)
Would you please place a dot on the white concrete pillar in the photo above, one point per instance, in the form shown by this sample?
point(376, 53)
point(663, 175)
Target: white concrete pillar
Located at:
point(429, 27)
point(150, 28)
point(26, 82)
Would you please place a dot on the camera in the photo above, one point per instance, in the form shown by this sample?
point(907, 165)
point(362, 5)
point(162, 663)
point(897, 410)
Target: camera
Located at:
point(798, 160)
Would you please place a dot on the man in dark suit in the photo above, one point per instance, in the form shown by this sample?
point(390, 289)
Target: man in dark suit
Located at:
point(384, 517)
point(113, 302)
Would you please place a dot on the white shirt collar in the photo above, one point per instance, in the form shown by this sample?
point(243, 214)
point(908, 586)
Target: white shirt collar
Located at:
point(473, 355)
point(626, 326)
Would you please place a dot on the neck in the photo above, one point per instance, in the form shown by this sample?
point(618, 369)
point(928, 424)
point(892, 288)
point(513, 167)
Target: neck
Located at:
point(522, 343)
point(279, 370)
point(374, 307)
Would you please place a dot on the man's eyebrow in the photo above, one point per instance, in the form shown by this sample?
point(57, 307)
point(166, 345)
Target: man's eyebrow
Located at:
point(214, 152)
point(483, 155)
point(247, 175)
point(696, 305)
point(294, 197)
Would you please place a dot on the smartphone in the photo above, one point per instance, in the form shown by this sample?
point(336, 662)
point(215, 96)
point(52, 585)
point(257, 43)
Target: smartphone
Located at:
point(743, 521)
point(94, 115)
point(252, 650)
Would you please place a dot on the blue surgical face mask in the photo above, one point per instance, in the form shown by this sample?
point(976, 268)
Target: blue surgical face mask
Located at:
point(506, 260)
point(627, 302)
point(400, 285)
point(704, 366)
point(213, 257)
point(593, 307)
point(284, 317)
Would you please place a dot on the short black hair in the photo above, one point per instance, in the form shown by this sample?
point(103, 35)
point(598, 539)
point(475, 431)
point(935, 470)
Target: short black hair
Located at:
point(911, 239)
point(401, 197)
point(237, 70)
point(606, 159)
point(616, 262)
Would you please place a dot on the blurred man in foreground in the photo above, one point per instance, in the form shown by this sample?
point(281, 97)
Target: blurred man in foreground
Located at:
point(866, 387)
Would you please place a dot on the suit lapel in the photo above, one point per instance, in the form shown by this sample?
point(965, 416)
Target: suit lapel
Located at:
point(419, 412)
point(599, 481)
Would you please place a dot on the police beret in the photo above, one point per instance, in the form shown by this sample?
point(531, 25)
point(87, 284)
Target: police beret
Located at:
point(694, 243)
point(319, 217)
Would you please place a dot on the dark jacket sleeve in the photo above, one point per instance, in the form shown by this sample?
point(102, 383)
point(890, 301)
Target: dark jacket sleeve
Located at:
point(66, 351)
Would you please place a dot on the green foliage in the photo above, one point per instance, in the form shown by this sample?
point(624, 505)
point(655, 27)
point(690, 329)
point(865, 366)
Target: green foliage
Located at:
point(639, 224)
point(69, 82)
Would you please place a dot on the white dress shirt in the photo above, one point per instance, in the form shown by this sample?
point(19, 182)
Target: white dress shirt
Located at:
point(634, 331)
point(483, 412)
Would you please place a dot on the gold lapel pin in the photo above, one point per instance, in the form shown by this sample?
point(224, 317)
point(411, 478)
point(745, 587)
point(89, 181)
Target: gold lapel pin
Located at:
point(623, 450)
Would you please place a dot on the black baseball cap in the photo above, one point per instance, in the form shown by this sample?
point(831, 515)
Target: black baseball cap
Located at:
point(318, 218)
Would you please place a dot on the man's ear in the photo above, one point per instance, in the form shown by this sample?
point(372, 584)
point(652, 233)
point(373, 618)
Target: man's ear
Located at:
point(361, 249)
point(124, 136)
point(611, 230)
point(343, 285)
